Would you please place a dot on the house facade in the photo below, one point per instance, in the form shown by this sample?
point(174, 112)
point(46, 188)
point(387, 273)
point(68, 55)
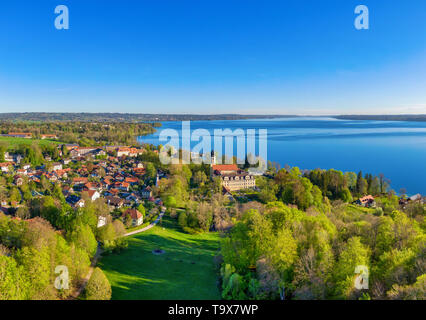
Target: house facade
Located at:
point(135, 215)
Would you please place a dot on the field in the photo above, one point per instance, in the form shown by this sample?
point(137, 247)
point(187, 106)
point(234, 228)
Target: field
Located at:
point(12, 142)
point(185, 271)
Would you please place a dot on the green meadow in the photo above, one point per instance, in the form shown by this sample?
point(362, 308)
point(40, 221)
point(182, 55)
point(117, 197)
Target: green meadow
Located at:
point(13, 142)
point(184, 271)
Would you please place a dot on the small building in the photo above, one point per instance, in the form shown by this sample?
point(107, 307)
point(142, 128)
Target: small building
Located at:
point(13, 157)
point(80, 180)
point(56, 166)
point(18, 180)
point(416, 197)
point(75, 201)
point(135, 215)
point(367, 201)
point(99, 152)
point(49, 136)
point(114, 201)
point(93, 194)
point(4, 166)
point(146, 192)
point(131, 180)
point(25, 135)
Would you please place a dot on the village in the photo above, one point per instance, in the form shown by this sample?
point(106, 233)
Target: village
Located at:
point(113, 173)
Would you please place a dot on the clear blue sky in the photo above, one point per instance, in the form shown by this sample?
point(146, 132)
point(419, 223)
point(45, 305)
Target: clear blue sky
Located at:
point(213, 56)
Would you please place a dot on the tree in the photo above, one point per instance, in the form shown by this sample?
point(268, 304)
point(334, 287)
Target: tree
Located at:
point(346, 195)
point(128, 221)
point(12, 286)
point(182, 220)
point(416, 291)
point(119, 228)
point(23, 213)
point(106, 234)
point(361, 185)
point(351, 179)
point(170, 202)
point(83, 237)
point(151, 172)
point(353, 255)
point(14, 195)
point(249, 239)
point(57, 193)
point(36, 264)
point(383, 183)
point(98, 286)
point(204, 216)
point(141, 209)
point(199, 178)
point(282, 253)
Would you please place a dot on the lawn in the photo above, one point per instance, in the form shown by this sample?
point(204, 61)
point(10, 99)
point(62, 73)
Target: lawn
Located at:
point(185, 271)
point(12, 142)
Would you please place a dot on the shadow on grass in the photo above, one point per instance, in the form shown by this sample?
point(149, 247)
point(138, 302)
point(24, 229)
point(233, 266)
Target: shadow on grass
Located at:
point(184, 271)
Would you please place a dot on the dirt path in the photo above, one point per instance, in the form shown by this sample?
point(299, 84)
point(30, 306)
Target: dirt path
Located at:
point(80, 290)
point(147, 227)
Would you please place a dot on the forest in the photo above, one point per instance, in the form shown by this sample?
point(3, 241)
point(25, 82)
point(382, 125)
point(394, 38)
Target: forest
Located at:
point(302, 237)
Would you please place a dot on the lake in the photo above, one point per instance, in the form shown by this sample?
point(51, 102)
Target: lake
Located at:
point(395, 148)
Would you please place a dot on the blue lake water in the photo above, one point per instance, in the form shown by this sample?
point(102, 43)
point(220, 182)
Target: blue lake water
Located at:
point(395, 148)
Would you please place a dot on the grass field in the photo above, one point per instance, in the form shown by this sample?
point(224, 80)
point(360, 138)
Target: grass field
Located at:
point(184, 271)
point(12, 142)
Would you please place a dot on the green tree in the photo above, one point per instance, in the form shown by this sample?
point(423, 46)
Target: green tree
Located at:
point(12, 286)
point(353, 255)
point(106, 234)
point(170, 202)
point(83, 237)
point(282, 254)
point(141, 209)
point(98, 286)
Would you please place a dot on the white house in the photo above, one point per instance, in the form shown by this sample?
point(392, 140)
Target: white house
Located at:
point(93, 194)
point(56, 166)
point(101, 221)
point(137, 217)
point(5, 166)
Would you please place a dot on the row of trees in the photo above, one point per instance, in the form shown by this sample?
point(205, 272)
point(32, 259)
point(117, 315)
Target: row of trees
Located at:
point(83, 133)
point(317, 187)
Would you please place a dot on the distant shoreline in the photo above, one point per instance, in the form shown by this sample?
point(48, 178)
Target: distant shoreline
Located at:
point(396, 117)
point(147, 117)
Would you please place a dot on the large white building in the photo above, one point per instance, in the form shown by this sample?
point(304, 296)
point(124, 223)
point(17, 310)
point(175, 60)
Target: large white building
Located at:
point(232, 177)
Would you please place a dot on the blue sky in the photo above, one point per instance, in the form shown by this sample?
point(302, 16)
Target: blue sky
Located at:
point(205, 56)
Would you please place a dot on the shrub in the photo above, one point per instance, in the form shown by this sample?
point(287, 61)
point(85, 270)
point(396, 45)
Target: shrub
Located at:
point(98, 287)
